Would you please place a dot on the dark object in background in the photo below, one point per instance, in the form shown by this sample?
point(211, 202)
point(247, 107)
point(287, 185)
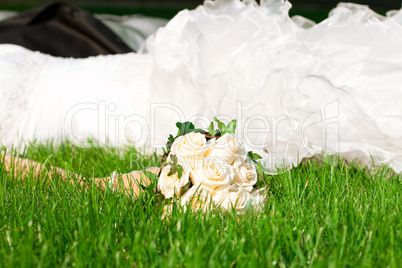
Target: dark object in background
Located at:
point(63, 30)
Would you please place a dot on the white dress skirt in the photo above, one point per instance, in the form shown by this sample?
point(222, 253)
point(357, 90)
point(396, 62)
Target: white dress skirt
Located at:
point(296, 88)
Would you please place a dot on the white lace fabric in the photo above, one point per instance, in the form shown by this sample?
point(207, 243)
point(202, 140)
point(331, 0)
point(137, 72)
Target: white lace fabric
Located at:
point(296, 88)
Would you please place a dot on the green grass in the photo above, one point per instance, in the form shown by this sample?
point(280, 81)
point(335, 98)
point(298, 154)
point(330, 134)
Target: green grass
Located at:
point(317, 215)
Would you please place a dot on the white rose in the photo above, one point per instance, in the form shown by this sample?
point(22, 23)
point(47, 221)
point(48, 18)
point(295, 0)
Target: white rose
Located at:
point(198, 197)
point(245, 175)
point(259, 199)
point(212, 173)
point(237, 198)
point(220, 193)
point(169, 185)
point(227, 149)
point(191, 147)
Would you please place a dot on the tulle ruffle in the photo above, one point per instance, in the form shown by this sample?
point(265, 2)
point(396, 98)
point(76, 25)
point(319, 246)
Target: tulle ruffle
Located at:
point(297, 88)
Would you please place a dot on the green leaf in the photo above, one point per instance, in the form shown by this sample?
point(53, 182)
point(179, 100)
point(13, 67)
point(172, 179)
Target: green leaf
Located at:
point(185, 128)
point(179, 171)
point(231, 127)
point(254, 156)
point(221, 125)
point(169, 142)
point(211, 129)
point(217, 133)
point(174, 158)
point(259, 168)
point(174, 167)
point(173, 170)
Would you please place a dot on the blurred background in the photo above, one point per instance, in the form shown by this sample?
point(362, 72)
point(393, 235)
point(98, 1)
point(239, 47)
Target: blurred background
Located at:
point(316, 10)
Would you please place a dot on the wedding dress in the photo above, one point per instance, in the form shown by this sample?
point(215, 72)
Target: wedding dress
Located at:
point(297, 88)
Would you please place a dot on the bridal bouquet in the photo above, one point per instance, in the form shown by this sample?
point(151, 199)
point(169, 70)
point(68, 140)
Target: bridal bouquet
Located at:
point(207, 169)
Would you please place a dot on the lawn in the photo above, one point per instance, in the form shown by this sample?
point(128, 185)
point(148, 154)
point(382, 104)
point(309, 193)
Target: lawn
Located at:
point(317, 215)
